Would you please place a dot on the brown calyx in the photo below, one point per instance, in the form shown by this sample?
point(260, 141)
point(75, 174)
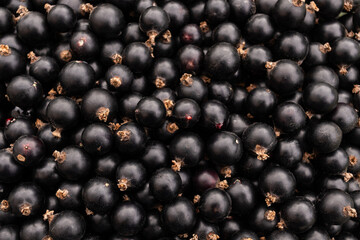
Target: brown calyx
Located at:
point(126, 198)
point(270, 199)
point(356, 89)
point(222, 185)
point(103, 113)
point(343, 69)
point(311, 7)
point(159, 82)
point(226, 172)
point(184, 235)
point(47, 237)
point(89, 212)
point(114, 126)
point(249, 116)
point(5, 50)
point(307, 157)
point(48, 215)
point(166, 37)
point(51, 94)
point(204, 27)
point(86, 8)
point(309, 114)
point(60, 157)
point(350, 34)
point(352, 160)
point(159, 207)
point(241, 49)
point(325, 48)
point(212, 236)
point(21, 158)
point(194, 237)
point(298, 3)
point(32, 56)
point(116, 58)
point(124, 135)
point(348, 5)
point(206, 79)
point(62, 194)
point(4, 205)
point(10, 148)
point(261, 153)
point(66, 55)
point(22, 11)
point(270, 215)
point(177, 163)
point(281, 224)
point(277, 132)
point(123, 184)
point(57, 132)
point(186, 79)
point(250, 87)
point(60, 89)
point(115, 81)
point(48, 7)
point(347, 176)
point(270, 65)
point(349, 212)
point(357, 36)
point(150, 43)
point(39, 124)
point(172, 127)
point(25, 209)
point(262, 238)
point(169, 105)
point(247, 239)
point(196, 199)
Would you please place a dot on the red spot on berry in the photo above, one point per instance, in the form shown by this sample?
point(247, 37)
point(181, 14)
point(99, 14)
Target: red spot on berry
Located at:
point(218, 126)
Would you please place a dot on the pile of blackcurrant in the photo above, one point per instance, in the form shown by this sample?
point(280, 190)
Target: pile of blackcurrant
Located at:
point(179, 119)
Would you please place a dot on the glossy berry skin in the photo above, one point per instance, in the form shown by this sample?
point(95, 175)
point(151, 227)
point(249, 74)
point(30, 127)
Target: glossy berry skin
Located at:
point(240, 11)
point(243, 196)
point(222, 60)
point(289, 117)
point(165, 184)
point(24, 91)
point(214, 115)
point(11, 63)
point(205, 179)
point(185, 214)
point(18, 127)
point(261, 102)
point(61, 18)
point(26, 199)
point(243, 234)
point(288, 152)
point(130, 138)
point(335, 162)
point(33, 229)
point(187, 147)
point(299, 214)
point(97, 139)
point(155, 156)
point(285, 78)
point(150, 112)
point(224, 148)
point(215, 205)
point(344, 116)
point(152, 228)
point(263, 219)
point(292, 45)
point(154, 19)
point(226, 32)
point(128, 103)
point(10, 170)
point(255, 58)
point(99, 195)
point(191, 34)
point(28, 150)
point(130, 175)
point(99, 105)
point(165, 70)
point(259, 28)
point(69, 195)
point(320, 97)
point(329, 8)
point(45, 174)
point(186, 113)
point(137, 57)
point(178, 13)
point(9, 232)
point(221, 91)
point(33, 34)
point(216, 11)
point(73, 163)
point(190, 58)
point(84, 44)
point(67, 225)
point(6, 21)
point(259, 136)
point(315, 56)
point(63, 113)
point(335, 207)
point(345, 51)
point(107, 21)
point(277, 184)
point(325, 137)
point(119, 78)
point(76, 78)
point(289, 14)
point(128, 218)
point(282, 235)
point(45, 70)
